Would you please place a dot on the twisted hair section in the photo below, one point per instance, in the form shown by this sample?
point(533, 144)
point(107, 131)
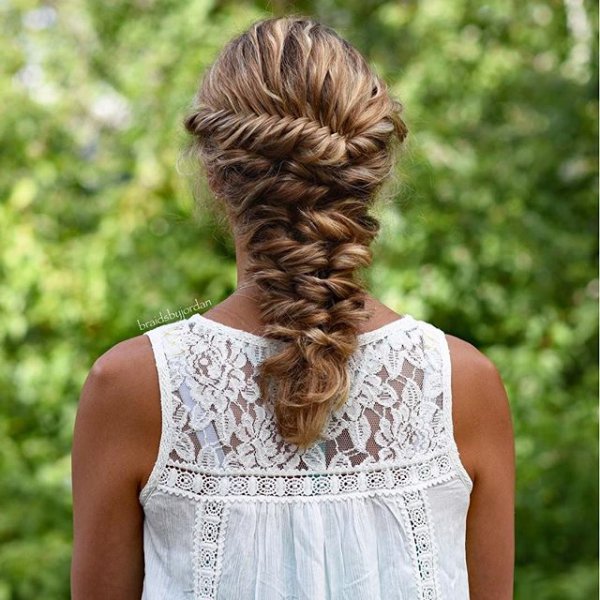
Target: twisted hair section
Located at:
point(296, 134)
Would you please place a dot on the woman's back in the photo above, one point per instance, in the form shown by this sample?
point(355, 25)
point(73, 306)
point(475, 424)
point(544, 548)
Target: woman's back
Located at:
point(375, 510)
point(307, 462)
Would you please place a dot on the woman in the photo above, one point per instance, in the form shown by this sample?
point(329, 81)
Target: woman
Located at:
point(299, 440)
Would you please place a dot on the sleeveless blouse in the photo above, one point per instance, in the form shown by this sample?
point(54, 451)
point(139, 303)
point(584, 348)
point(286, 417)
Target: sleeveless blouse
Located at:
point(374, 511)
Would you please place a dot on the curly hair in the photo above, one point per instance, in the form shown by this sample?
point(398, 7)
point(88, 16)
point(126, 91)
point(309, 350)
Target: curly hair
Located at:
point(295, 132)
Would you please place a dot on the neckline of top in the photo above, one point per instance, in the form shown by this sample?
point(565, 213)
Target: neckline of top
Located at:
point(362, 338)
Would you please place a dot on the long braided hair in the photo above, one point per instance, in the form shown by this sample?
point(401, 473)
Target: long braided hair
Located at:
point(295, 132)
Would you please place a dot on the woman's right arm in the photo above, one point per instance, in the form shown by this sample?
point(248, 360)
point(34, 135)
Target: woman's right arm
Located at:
point(484, 435)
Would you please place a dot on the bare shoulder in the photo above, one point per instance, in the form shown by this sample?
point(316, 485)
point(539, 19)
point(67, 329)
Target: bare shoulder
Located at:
point(121, 398)
point(481, 408)
point(123, 381)
point(122, 362)
point(469, 362)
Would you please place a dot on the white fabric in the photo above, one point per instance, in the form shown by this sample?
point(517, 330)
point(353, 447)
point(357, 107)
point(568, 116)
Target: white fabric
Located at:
point(376, 511)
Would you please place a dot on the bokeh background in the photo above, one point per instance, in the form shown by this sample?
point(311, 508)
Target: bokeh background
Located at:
point(491, 231)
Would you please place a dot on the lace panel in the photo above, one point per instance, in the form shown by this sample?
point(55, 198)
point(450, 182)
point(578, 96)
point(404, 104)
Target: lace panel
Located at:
point(394, 414)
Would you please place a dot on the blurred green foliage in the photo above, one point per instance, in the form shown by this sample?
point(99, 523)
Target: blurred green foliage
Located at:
point(491, 232)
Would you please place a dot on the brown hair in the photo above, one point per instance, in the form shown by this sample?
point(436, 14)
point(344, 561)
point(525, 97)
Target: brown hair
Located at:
point(295, 132)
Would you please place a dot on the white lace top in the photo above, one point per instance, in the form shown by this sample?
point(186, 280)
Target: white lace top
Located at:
point(377, 511)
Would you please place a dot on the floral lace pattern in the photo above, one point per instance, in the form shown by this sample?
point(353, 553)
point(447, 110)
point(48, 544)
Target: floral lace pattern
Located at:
point(394, 412)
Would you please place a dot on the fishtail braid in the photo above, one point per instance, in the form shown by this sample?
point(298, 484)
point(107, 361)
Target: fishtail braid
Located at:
point(295, 132)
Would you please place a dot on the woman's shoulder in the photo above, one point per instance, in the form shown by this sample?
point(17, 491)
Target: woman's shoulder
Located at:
point(122, 392)
point(130, 365)
point(122, 358)
point(468, 360)
point(120, 402)
point(481, 411)
point(126, 367)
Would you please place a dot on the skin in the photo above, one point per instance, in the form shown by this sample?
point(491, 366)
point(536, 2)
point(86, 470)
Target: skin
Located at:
point(117, 434)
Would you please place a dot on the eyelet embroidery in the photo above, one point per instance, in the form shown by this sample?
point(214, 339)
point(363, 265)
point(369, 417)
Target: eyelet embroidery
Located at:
point(200, 483)
point(209, 536)
point(425, 555)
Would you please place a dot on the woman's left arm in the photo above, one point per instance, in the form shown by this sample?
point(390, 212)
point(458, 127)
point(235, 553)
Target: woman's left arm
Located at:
point(116, 418)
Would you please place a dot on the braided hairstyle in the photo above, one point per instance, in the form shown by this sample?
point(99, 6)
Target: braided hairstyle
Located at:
point(295, 132)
